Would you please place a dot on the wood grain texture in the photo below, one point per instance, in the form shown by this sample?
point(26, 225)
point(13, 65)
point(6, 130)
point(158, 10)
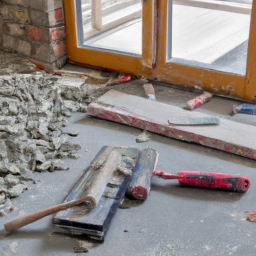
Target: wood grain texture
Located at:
point(32, 217)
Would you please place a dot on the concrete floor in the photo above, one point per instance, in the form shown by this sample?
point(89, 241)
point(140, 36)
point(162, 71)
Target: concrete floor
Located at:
point(174, 220)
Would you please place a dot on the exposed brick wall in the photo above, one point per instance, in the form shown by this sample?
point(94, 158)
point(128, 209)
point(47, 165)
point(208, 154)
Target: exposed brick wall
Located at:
point(36, 29)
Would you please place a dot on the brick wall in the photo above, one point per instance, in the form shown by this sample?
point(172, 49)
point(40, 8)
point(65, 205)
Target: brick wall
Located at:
point(36, 29)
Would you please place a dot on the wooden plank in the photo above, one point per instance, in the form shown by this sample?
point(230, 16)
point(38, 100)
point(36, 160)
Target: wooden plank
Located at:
point(153, 116)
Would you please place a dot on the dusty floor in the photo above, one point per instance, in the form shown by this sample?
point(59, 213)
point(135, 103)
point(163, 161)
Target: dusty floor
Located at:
point(173, 221)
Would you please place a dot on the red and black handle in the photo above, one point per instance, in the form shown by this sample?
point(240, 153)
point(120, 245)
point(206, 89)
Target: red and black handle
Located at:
point(208, 180)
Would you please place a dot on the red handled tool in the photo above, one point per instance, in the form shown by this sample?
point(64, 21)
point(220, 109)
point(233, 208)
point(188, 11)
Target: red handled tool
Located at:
point(208, 180)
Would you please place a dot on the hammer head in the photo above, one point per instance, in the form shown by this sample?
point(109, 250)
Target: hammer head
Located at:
point(141, 182)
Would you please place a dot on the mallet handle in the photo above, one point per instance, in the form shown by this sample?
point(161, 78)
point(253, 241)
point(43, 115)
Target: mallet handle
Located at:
point(32, 217)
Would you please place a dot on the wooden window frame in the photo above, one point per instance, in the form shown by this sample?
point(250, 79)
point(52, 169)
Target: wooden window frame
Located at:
point(153, 64)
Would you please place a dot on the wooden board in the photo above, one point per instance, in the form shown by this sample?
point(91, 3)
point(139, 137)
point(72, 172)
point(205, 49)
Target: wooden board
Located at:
point(94, 224)
point(153, 116)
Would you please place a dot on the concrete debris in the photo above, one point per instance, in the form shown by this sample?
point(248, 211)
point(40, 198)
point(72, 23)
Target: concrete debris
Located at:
point(143, 137)
point(73, 133)
point(2, 198)
point(15, 190)
point(11, 180)
point(44, 166)
point(14, 169)
point(32, 115)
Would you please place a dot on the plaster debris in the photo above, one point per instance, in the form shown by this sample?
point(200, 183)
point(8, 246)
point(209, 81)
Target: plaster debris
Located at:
point(15, 190)
point(73, 133)
point(143, 137)
point(11, 180)
point(32, 115)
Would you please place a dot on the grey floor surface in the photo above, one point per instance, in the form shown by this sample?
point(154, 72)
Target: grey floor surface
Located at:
point(174, 220)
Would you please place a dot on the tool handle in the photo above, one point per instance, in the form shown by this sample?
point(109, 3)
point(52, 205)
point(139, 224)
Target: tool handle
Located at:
point(215, 180)
point(32, 217)
point(165, 175)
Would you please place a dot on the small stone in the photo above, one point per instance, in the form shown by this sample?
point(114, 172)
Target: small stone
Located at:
point(83, 108)
point(73, 133)
point(71, 105)
point(45, 166)
point(16, 190)
point(143, 137)
point(70, 147)
point(2, 198)
point(11, 180)
point(42, 143)
point(40, 156)
point(3, 189)
point(125, 230)
point(14, 169)
point(2, 181)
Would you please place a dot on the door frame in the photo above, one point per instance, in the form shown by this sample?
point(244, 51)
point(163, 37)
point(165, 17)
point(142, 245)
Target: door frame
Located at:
point(152, 64)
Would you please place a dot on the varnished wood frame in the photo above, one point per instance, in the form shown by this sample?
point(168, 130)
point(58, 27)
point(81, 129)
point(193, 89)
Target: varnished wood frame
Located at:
point(109, 60)
point(243, 87)
point(211, 80)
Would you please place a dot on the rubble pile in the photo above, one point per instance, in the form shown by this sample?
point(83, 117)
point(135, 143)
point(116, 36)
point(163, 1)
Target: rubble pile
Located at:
point(32, 114)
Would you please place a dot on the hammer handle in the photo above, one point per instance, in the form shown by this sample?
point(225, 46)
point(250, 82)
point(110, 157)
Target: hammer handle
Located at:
point(32, 217)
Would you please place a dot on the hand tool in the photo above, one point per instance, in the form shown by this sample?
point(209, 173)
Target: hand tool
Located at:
point(95, 223)
point(145, 169)
point(208, 180)
point(142, 174)
point(186, 120)
point(88, 193)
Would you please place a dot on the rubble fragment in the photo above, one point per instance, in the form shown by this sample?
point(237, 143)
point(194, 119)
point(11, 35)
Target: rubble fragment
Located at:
point(143, 137)
point(73, 133)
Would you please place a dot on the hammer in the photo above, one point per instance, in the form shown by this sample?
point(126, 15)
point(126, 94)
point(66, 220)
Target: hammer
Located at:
point(145, 169)
point(90, 195)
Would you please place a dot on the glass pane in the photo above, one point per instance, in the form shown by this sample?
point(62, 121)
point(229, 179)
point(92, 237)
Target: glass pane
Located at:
point(114, 25)
point(209, 34)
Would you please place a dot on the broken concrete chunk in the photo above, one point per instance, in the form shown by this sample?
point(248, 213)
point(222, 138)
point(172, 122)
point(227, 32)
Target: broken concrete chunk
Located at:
point(70, 147)
point(83, 108)
point(73, 133)
point(40, 156)
point(143, 137)
point(2, 182)
point(42, 143)
point(58, 166)
point(16, 190)
point(72, 105)
point(45, 166)
point(2, 198)
point(11, 180)
point(13, 169)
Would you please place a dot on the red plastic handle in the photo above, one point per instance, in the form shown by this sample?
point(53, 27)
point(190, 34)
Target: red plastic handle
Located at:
point(215, 180)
